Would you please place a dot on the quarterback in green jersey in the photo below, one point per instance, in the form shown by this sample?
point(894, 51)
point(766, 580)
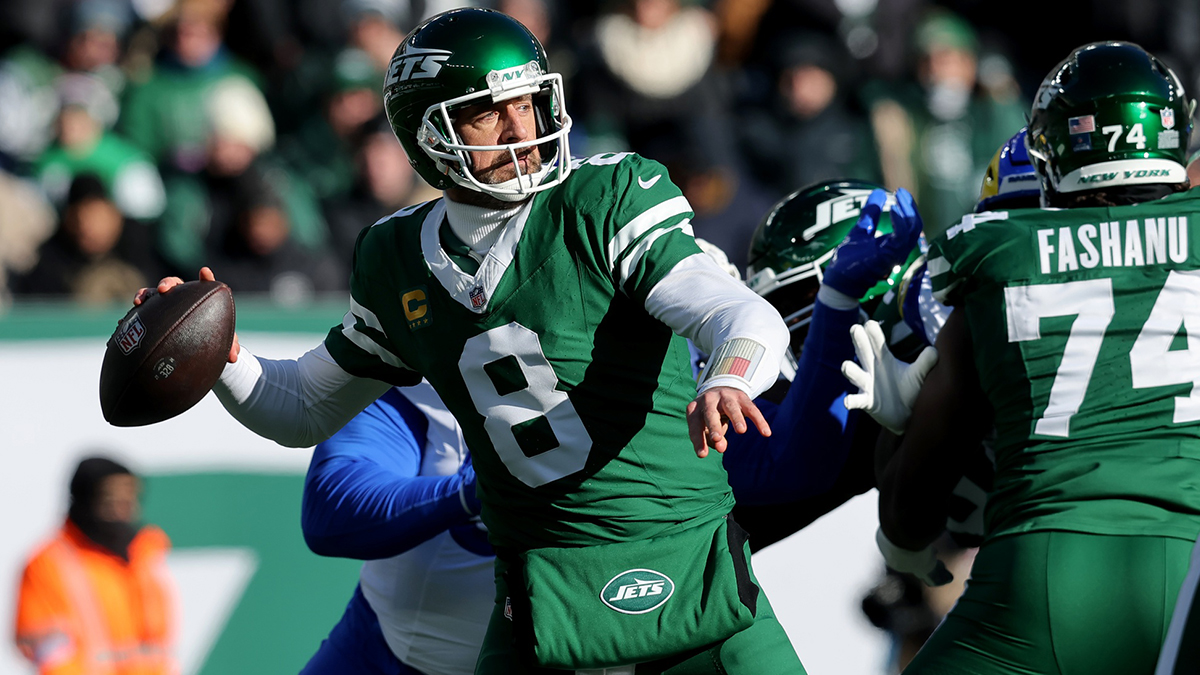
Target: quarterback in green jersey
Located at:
point(547, 300)
point(1074, 333)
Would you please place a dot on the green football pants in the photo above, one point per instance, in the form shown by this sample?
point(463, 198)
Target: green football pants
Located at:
point(1181, 651)
point(761, 649)
point(1060, 603)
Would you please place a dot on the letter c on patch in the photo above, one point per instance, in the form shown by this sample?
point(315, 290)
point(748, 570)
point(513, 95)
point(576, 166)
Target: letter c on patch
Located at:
point(415, 305)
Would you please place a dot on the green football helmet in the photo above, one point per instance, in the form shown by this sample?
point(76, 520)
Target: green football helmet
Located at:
point(1111, 120)
point(798, 237)
point(465, 57)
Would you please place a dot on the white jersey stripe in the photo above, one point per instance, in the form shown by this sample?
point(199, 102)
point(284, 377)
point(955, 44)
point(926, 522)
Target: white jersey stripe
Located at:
point(938, 265)
point(364, 342)
point(368, 317)
point(643, 223)
point(631, 260)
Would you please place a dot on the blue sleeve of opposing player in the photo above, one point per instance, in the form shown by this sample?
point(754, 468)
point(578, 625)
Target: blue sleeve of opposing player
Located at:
point(363, 497)
point(811, 429)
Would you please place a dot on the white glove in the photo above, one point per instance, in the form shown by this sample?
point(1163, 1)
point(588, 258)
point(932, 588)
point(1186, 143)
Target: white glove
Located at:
point(888, 385)
point(922, 564)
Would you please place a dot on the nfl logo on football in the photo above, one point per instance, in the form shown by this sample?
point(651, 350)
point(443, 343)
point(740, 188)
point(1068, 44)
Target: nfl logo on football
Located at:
point(478, 298)
point(130, 335)
point(1168, 118)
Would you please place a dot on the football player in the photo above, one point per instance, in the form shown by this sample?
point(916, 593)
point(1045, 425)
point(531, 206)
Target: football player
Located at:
point(1072, 334)
point(799, 262)
point(911, 319)
point(544, 299)
point(395, 487)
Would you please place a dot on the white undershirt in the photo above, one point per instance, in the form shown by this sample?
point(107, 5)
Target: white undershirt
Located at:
point(476, 226)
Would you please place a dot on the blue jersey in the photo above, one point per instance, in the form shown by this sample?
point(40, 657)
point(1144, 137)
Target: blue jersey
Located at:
point(392, 487)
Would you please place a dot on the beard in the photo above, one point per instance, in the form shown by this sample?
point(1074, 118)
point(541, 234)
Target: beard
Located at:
point(503, 168)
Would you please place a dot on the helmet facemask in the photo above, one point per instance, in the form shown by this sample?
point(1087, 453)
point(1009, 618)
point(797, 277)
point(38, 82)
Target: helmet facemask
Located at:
point(438, 138)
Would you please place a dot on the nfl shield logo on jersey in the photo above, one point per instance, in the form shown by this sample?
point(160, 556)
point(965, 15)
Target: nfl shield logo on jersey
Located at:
point(478, 297)
point(130, 335)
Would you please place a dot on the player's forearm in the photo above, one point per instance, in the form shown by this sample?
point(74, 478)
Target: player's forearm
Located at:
point(823, 429)
point(357, 509)
point(743, 333)
point(294, 403)
point(950, 415)
point(912, 504)
point(811, 430)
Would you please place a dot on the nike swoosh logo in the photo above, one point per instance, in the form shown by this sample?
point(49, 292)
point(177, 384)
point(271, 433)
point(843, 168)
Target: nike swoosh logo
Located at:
point(647, 184)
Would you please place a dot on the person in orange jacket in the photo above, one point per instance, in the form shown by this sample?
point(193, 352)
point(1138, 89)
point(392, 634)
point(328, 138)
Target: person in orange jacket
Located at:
point(97, 599)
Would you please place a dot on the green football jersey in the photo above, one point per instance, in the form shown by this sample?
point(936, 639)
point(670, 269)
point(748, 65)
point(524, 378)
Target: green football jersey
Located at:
point(570, 395)
point(1086, 331)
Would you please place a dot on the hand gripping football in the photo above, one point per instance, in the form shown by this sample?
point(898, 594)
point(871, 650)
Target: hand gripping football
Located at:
point(167, 353)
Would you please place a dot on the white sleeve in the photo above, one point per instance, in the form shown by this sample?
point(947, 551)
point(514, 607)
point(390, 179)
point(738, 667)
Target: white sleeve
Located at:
point(294, 403)
point(743, 334)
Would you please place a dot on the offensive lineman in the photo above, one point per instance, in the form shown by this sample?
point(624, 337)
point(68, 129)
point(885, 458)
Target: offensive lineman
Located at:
point(1074, 332)
point(541, 306)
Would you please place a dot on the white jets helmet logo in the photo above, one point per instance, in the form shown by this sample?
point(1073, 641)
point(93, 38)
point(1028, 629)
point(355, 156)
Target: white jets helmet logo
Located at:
point(416, 64)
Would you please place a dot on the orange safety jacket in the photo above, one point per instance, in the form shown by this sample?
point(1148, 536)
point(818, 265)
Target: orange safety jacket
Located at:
point(84, 611)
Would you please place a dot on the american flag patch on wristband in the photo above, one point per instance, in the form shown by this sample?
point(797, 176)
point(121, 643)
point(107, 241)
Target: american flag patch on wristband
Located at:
point(739, 356)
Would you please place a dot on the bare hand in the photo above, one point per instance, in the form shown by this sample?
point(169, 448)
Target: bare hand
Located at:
point(711, 414)
point(167, 283)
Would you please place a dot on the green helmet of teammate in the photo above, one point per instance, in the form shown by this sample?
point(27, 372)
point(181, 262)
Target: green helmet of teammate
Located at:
point(1111, 121)
point(797, 239)
point(465, 57)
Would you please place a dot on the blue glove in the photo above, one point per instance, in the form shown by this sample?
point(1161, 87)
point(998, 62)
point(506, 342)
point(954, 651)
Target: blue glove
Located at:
point(862, 260)
point(466, 489)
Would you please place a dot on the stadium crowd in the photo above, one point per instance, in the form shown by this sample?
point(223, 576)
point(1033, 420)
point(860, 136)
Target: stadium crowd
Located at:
point(141, 137)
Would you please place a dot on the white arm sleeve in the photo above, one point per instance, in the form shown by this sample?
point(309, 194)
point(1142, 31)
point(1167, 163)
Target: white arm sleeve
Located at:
point(294, 403)
point(743, 333)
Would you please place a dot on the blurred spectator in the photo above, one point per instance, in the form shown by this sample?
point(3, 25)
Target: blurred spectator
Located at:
point(98, 598)
point(164, 115)
point(727, 203)
point(200, 207)
point(93, 40)
point(95, 257)
point(374, 27)
point(257, 254)
point(737, 22)
point(26, 221)
point(937, 136)
point(650, 72)
point(813, 130)
point(84, 145)
point(534, 15)
point(322, 149)
point(384, 183)
point(28, 97)
point(28, 104)
point(877, 33)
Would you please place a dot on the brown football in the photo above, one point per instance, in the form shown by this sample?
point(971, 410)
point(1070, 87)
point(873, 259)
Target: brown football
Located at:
point(167, 353)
